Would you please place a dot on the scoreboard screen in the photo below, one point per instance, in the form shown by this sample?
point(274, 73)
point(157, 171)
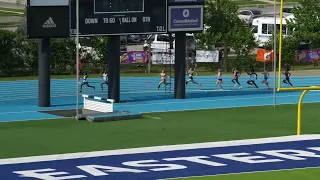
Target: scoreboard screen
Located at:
point(119, 17)
point(116, 6)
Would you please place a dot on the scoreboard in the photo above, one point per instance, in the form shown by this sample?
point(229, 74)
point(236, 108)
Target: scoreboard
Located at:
point(119, 17)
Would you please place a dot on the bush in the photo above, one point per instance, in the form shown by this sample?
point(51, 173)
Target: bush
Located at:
point(19, 56)
point(15, 54)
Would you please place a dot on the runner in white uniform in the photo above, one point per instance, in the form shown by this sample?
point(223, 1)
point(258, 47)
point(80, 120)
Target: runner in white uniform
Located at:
point(105, 79)
point(219, 81)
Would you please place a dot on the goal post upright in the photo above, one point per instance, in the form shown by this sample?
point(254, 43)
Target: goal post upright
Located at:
point(304, 90)
point(280, 45)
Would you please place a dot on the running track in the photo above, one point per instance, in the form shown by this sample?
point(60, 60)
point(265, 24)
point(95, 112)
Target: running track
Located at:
point(18, 99)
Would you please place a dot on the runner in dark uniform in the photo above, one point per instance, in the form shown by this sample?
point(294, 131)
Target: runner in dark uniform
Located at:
point(236, 75)
point(85, 82)
point(287, 75)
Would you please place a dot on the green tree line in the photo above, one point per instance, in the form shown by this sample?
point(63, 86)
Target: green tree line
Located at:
point(306, 29)
point(224, 28)
point(19, 56)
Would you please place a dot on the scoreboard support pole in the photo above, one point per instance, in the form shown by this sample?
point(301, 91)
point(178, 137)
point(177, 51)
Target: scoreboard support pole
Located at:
point(114, 68)
point(44, 73)
point(180, 66)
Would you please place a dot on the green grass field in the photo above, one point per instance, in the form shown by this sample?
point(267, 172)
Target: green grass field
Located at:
point(31, 138)
point(68, 135)
point(4, 13)
point(10, 12)
point(9, 24)
point(12, 9)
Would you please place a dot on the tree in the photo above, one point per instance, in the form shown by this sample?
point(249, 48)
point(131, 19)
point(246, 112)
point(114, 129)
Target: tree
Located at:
point(306, 24)
point(62, 56)
point(289, 46)
point(7, 60)
point(223, 26)
point(100, 44)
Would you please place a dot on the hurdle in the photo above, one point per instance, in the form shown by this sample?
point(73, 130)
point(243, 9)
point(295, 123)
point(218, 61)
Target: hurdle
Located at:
point(98, 104)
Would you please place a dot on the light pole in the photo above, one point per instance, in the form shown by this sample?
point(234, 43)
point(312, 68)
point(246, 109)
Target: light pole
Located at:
point(275, 53)
point(77, 56)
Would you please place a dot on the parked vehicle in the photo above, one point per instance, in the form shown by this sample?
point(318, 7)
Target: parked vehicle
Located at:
point(287, 9)
point(133, 39)
point(247, 15)
point(162, 41)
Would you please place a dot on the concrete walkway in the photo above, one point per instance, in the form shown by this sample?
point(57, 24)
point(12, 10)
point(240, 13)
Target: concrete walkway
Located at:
point(10, 19)
point(11, 4)
point(267, 1)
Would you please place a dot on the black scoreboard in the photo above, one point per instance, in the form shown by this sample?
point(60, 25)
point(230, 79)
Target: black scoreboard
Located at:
point(119, 17)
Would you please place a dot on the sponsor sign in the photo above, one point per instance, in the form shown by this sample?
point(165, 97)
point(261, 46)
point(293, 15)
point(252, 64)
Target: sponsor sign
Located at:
point(186, 18)
point(207, 56)
point(162, 57)
point(171, 161)
point(50, 24)
point(133, 57)
point(308, 55)
point(264, 55)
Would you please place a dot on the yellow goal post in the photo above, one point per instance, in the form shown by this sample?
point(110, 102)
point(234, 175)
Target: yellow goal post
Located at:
point(303, 89)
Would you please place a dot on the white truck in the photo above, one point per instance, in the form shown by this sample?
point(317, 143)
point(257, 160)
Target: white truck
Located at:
point(162, 41)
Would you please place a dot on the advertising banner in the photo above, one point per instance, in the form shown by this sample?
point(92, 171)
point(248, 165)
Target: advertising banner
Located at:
point(207, 56)
point(162, 57)
point(308, 55)
point(53, 22)
point(264, 55)
point(202, 56)
point(186, 18)
point(133, 57)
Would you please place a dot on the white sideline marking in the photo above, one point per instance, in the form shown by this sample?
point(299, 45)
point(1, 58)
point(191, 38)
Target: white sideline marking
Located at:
point(158, 149)
point(152, 117)
point(14, 12)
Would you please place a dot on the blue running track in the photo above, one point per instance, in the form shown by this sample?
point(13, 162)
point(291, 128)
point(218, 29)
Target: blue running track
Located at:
point(18, 99)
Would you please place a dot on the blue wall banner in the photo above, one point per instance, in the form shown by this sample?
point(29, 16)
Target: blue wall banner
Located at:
point(185, 18)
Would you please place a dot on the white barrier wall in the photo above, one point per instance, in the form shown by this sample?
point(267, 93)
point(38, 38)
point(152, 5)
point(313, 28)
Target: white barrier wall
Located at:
point(98, 104)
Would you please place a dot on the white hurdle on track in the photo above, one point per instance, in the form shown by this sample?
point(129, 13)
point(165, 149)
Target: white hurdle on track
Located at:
point(98, 104)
